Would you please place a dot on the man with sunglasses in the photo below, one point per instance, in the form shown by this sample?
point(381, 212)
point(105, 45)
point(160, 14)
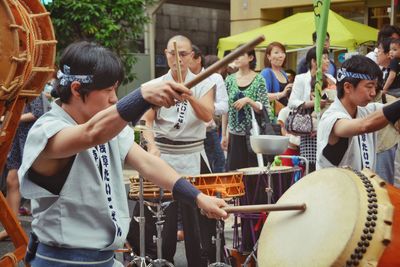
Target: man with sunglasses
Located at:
point(178, 139)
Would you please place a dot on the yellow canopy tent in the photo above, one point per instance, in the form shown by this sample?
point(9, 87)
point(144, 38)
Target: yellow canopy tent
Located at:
point(296, 31)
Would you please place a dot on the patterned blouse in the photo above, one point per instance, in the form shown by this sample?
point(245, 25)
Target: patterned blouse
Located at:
point(239, 121)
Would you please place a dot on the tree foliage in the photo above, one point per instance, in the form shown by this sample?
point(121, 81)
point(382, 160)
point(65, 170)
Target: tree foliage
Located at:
point(114, 24)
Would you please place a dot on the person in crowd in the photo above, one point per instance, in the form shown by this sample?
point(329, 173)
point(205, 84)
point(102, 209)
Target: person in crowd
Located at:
point(347, 130)
point(291, 74)
point(302, 96)
point(31, 113)
point(302, 65)
point(73, 158)
point(388, 137)
point(276, 80)
point(387, 31)
point(383, 57)
point(246, 91)
point(178, 139)
point(211, 59)
point(294, 141)
point(212, 145)
point(392, 83)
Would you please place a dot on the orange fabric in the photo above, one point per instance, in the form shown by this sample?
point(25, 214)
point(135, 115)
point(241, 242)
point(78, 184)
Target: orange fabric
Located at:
point(390, 256)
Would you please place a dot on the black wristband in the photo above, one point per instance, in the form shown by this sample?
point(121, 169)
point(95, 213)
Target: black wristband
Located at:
point(185, 191)
point(132, 106)
point(392, 112)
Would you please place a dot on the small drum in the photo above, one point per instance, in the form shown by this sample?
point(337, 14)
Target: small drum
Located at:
point(264, 170)
point(150, 190)
point(347, 223)
point(229, 184)
point(262, 186)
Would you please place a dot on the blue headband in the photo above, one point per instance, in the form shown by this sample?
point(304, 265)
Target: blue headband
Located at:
point(343, 73)
point(65, 77)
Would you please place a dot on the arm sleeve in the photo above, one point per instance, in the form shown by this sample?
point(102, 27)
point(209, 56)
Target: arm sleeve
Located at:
point(296, 96)
point(221, 96)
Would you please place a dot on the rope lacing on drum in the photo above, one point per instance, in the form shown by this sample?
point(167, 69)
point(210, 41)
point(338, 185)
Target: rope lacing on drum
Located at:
point(12, 257)
point(17, 27)
point(39, 15)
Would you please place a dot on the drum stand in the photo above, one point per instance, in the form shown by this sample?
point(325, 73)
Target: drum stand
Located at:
point(140, 261)
point(159, 215)
point(217, 240)
point(251, 255)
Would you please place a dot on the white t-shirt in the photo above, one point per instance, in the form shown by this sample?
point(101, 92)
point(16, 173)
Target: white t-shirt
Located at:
point(221, 95)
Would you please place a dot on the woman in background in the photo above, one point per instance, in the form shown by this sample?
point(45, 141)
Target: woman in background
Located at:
point(246, 91)
point(302, 96)
point(276, 80)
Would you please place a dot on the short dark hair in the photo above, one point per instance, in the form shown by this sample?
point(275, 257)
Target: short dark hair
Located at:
point(385, 43)
point(312, 54)
point(359, 64)
point(209, 60)
point(197, 53)
point(86, 58)
point(314, 36)
point(387, 31)
point(267, 63)
point(253, 63)
point(395, 41)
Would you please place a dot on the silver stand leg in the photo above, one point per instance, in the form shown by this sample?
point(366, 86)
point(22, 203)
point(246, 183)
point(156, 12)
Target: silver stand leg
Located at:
point(140, 260)
point(159, 215)
point(218, 243)
point(269, 189)
point(251, 255)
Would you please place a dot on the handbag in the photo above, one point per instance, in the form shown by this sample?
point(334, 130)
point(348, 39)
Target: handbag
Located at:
point(299, 121)
point(266, 126)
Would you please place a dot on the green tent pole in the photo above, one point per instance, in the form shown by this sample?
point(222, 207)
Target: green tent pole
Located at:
point(321, 13)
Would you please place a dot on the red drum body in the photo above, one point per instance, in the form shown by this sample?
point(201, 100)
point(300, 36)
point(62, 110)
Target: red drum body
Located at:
point(390, 256)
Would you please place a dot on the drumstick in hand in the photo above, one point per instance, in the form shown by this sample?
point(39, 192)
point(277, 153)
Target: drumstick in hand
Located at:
point(264, 208)
point(178, 65)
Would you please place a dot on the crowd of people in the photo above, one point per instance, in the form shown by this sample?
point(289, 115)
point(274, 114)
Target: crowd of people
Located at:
point(75, 152)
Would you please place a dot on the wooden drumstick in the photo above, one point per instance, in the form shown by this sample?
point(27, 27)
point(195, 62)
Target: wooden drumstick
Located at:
point(264, 208)
point(225, 61)
point(123, 250)
point(178, 65)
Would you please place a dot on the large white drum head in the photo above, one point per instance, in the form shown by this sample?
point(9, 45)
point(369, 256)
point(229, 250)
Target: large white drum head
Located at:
point(334, 219)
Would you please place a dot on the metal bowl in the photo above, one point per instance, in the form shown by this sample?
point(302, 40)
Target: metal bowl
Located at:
point(269, 144)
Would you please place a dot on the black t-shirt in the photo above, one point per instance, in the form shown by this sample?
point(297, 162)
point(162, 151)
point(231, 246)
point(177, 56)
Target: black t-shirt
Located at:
point(395, 66)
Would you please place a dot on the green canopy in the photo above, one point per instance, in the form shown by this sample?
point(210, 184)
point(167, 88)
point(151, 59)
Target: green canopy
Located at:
point(296, 30)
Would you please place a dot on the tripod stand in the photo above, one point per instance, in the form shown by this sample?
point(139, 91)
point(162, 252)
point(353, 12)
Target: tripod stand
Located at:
point(218, 243)
point(159, 215)
point(140, 260)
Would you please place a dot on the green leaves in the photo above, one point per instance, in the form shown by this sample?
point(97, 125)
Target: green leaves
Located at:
point(115, 24)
